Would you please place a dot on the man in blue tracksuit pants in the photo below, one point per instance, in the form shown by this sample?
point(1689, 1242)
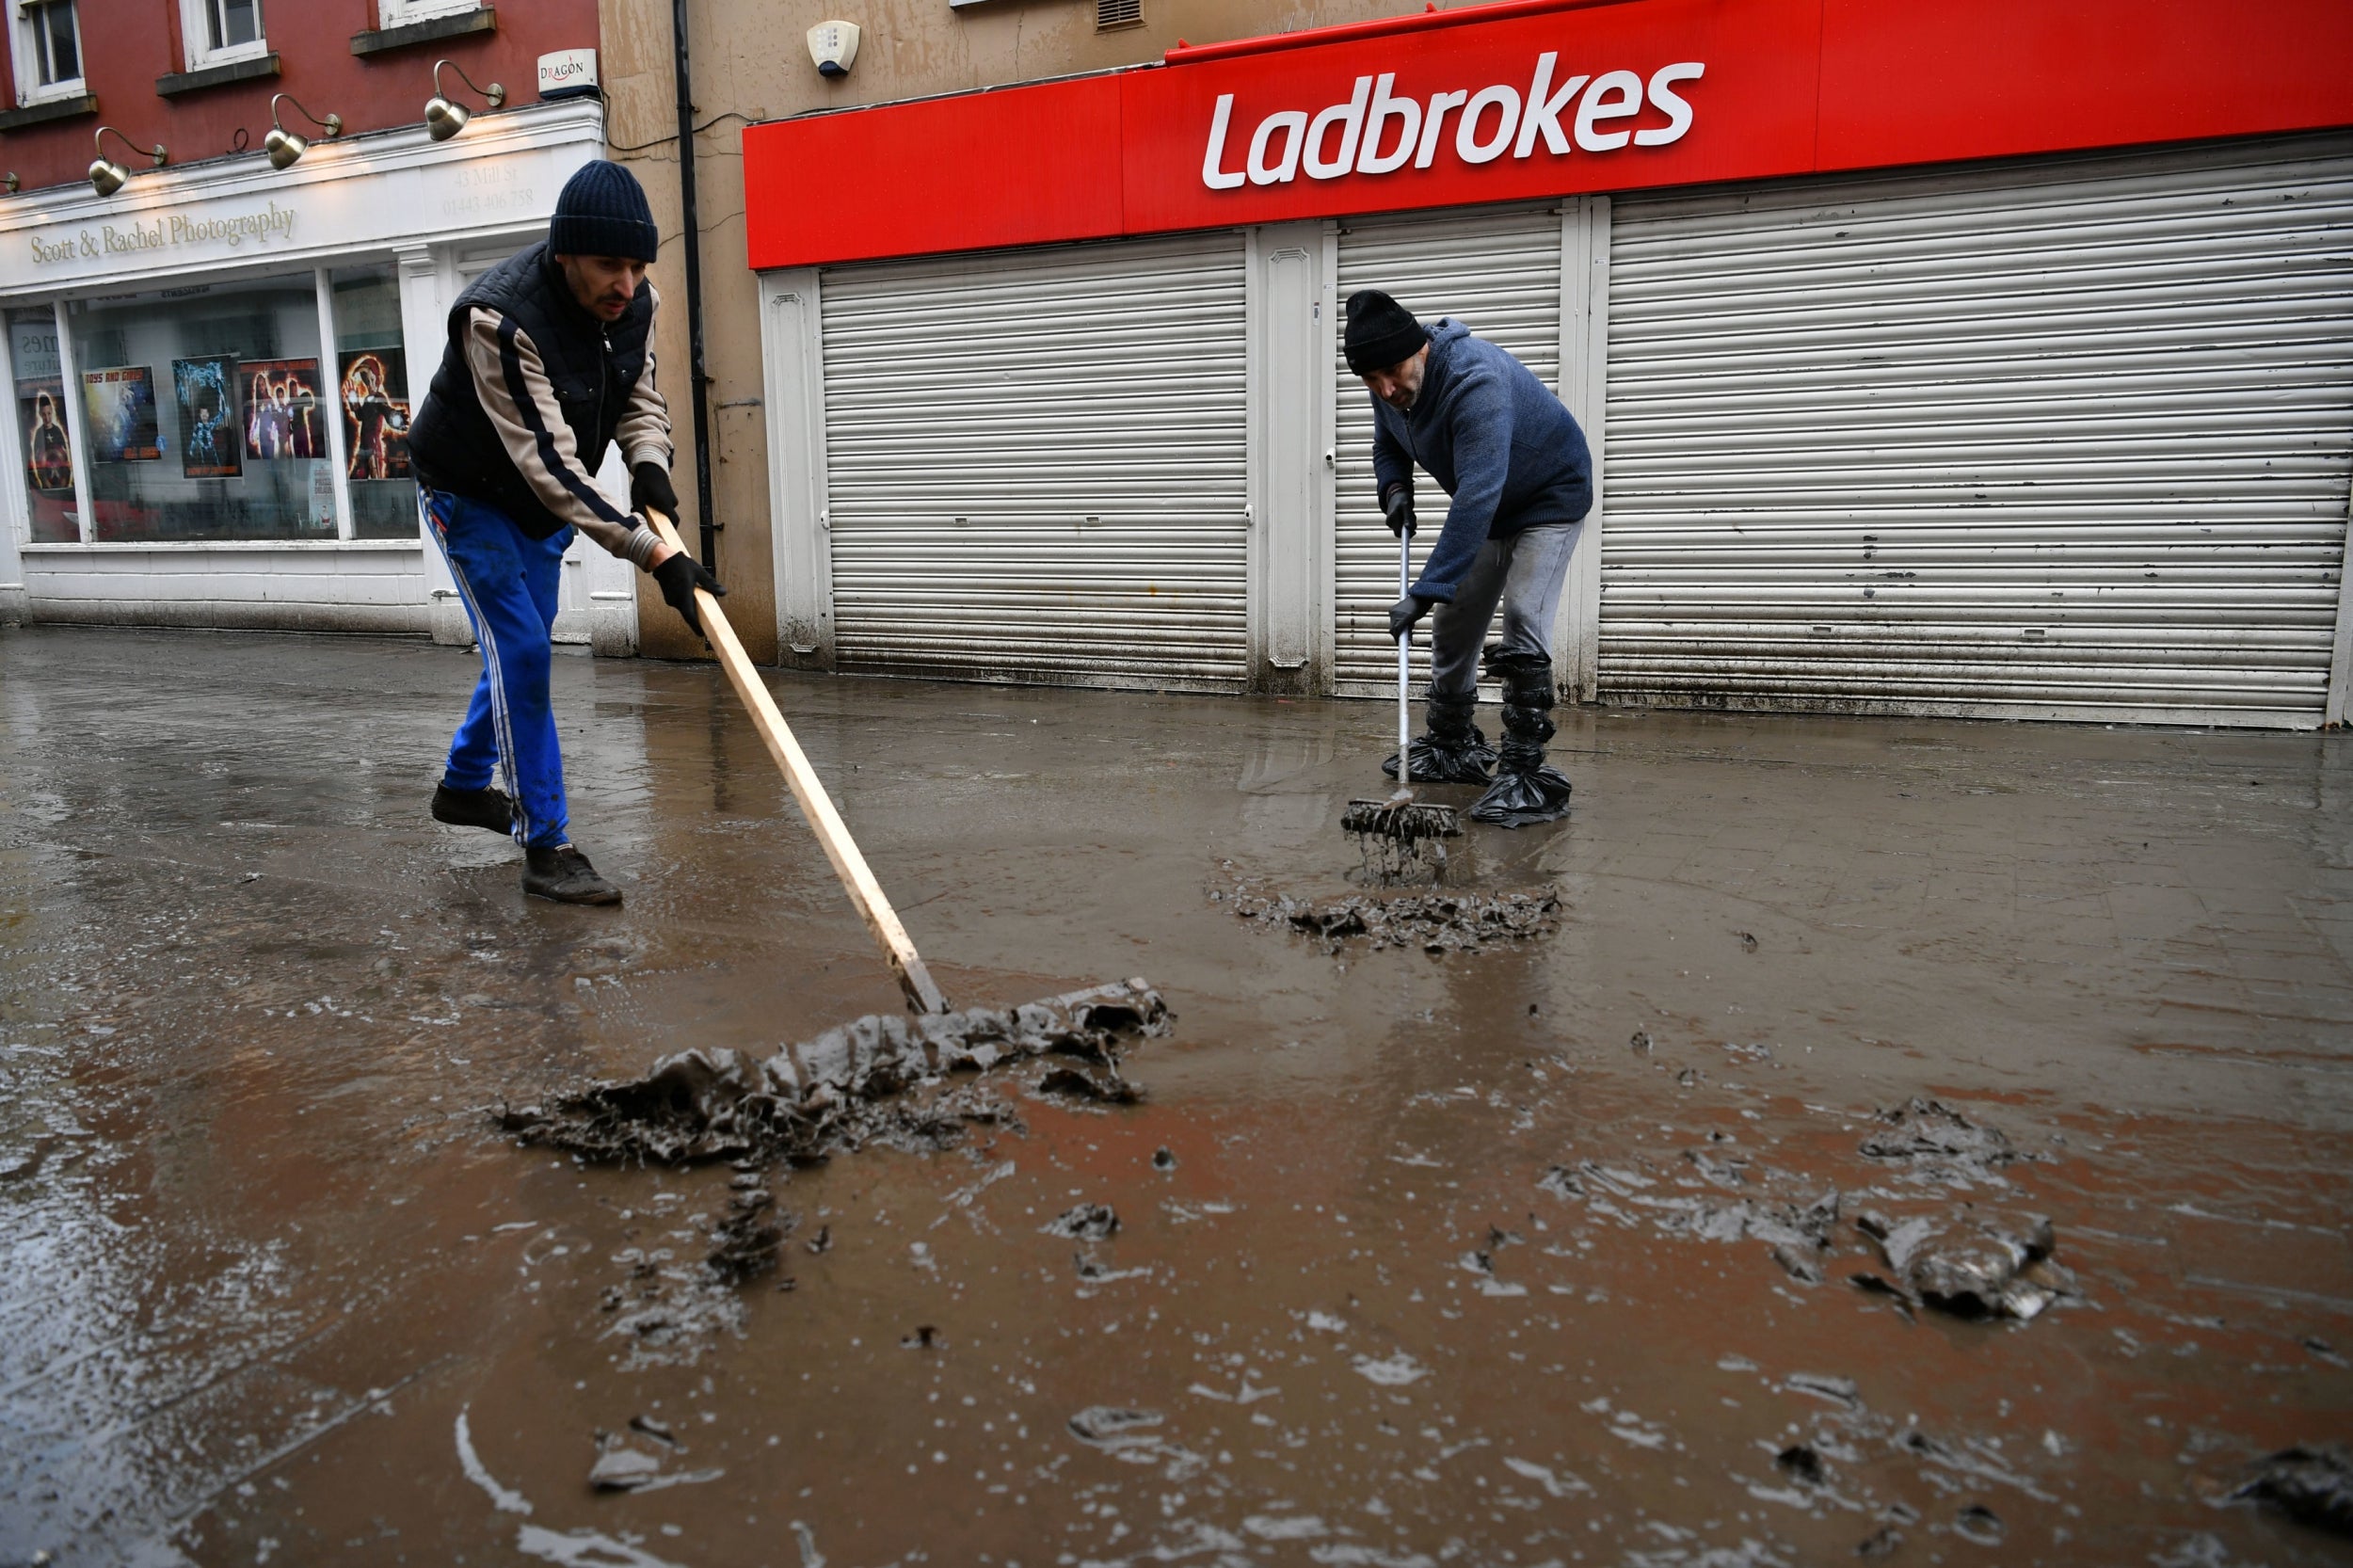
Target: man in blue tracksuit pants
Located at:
point(549, 360)
point(1522, 480)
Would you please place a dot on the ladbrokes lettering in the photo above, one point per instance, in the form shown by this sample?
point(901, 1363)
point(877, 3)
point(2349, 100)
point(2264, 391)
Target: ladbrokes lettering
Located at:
point(1377, 131)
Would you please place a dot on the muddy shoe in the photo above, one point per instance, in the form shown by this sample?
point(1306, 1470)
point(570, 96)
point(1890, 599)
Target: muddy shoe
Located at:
point(563, 874)
point(1525, 790)
point(1452, 751)
point(488, 809)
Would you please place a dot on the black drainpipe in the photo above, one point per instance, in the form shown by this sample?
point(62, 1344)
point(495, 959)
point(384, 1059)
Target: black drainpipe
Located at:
point(693, 238)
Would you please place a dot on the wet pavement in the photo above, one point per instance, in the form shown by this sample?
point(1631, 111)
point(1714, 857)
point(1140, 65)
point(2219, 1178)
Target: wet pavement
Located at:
point(1501, 1254)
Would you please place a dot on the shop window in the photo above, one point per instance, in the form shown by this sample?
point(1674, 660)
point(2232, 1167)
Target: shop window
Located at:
point(48, 50)
point(204, 410)
point(396, 13)
point(44, 444)
point(222, 32)
point(371, 393)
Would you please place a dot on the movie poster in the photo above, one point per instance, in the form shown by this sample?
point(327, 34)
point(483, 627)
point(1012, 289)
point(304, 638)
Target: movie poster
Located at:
point(375, 395)
point(208, 442)
point(48, 452)
point(281, 410)
point(121, 405)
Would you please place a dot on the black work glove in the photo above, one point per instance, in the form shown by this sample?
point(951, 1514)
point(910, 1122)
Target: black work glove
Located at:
point(1397, 510)
point(649, 486)
point(680, 576)
point(1405, 612)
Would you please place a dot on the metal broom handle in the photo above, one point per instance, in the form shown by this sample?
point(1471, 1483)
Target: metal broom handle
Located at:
point(1404, 725)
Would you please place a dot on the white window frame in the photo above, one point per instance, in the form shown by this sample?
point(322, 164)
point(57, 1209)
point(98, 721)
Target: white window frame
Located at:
point(196, 27)
point(399, 13)
point(26, 55)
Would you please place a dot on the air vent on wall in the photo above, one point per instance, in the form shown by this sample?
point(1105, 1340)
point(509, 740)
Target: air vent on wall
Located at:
point(1117, 13)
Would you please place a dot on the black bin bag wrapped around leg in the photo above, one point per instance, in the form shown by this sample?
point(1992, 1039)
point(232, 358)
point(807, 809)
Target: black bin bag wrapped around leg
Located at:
point(1525, 790)
point(1450, 749)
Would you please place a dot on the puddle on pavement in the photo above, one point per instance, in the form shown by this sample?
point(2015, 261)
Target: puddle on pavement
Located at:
point(1540, 1251)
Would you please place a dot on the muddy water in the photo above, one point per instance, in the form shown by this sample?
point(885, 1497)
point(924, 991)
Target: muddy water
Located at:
point(278, 1291)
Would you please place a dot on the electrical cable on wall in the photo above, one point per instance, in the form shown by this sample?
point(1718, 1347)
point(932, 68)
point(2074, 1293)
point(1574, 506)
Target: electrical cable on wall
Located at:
point(664, 141)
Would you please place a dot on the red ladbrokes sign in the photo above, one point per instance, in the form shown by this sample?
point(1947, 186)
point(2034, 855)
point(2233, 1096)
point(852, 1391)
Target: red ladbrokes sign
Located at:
point(1378, 132)
point(1532, 99)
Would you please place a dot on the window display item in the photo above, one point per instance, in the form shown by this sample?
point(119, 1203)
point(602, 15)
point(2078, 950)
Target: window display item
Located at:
point(48, 451)
point(207, 392)
point(244, 466)
point(120, 404)
point(281, 410)
point(376, 412)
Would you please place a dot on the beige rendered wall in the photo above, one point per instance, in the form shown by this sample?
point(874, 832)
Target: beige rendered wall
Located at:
point(750, 57)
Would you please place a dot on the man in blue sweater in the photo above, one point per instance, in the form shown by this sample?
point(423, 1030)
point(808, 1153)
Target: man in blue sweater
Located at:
point(1522, 480)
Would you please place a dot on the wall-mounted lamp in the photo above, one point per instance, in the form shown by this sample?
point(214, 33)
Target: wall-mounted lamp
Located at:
point(283, 145)
point(443, 119)
point(106, 176)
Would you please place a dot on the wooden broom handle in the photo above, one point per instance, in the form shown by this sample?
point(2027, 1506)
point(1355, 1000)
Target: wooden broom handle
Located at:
point(866, 894)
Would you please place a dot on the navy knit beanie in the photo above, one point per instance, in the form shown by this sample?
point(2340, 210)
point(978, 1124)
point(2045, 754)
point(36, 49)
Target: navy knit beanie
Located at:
point(1381, 332)
point(603, 212)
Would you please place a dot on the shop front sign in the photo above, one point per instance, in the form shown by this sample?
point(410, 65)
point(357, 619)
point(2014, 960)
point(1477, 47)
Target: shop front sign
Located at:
point(171, 232)
point(374, 194)
point(1378, 131)
point(1531, 99)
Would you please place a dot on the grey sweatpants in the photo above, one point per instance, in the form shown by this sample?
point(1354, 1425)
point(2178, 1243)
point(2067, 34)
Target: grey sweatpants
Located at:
point(1523, 572)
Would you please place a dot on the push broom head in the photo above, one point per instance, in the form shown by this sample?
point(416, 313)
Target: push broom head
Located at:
point(1401, 819)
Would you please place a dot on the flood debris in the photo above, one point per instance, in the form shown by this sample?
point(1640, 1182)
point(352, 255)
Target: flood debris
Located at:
point(879, 1079)
point(1829, 1389)
point(1957, 1257)
point(1933, 1138)
point(1804, 1463)
point(1972, 1263)
point(1434, 922)
point(2311, 1483)
point(1113, 1427)
point(666, 1311)
point(623, 1471)
point(1798, 1234)
point(620, 1467)
point(1092, 1084)
point(748, 1238)
point(1088, 1222)
point(1129, 1436)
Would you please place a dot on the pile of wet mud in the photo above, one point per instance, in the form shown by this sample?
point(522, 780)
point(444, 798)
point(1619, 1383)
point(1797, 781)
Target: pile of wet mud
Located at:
point(1932, 1249)
point(2311, 1484)
point(880, 1078)
point(1434, 922)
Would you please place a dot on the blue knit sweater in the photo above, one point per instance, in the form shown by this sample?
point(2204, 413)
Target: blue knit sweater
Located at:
point(1498, 442)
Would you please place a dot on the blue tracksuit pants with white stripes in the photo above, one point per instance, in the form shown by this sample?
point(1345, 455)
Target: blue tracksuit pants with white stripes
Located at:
point(508, 582)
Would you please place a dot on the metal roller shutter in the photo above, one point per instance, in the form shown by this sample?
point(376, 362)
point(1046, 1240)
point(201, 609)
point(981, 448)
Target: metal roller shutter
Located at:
point(1497, 271)
point(2067, 438)
point(1035, 465)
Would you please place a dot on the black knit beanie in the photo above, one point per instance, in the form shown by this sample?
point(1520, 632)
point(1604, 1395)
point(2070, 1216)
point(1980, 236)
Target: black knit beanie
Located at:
point(603, 212)
point(1380, 332)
